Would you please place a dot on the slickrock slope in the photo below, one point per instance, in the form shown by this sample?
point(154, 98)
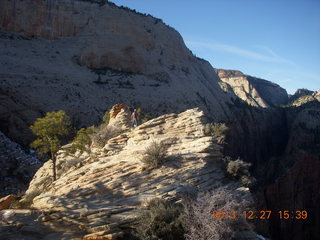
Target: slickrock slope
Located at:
point(193, 163)
point(17, 167)
point(83, 57)
point(100, 192)
point(256, 92)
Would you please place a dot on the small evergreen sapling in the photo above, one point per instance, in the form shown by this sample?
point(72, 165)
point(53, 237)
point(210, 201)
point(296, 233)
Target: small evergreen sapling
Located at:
point(49, 131)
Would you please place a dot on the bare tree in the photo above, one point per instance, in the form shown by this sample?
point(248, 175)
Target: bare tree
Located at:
point(200, 222)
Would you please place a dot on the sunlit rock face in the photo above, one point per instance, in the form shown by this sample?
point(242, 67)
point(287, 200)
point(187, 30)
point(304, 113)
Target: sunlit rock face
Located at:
point(255, 91)
point(115, 37)
point(106, 186)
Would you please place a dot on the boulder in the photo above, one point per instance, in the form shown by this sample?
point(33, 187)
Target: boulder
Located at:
point(5, 202)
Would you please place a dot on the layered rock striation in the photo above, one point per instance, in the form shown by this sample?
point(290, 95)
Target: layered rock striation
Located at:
point(194, 162)
point(101, 192)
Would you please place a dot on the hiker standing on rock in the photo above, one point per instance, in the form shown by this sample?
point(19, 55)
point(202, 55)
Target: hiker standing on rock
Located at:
point(134, 118)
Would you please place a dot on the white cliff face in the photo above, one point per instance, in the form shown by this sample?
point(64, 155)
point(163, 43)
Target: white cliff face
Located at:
point(256, 92)
point(84, 57)
point(115, 38)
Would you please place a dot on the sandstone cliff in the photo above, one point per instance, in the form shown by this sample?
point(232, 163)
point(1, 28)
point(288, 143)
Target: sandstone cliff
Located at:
point(83, 57)
point(299, 93)
point(256, 92)
point(41, 73)
point(106, 187)
point(301, 98)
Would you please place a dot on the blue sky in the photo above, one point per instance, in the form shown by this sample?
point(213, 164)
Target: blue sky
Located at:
point(278, 40)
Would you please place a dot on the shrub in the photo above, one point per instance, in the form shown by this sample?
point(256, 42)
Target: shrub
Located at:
point(142, 116)
point(82, 140)
point(64, 166)
point(218, 130)
point(198, 216)
point(246, 181)
point(103, 133)
point(163, 220)
point(27, 201)
point(106, 117)
point(154, 155)
point(239, 169)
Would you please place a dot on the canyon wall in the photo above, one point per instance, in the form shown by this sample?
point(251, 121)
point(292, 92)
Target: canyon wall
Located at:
point(83, 57)
point(255, 91)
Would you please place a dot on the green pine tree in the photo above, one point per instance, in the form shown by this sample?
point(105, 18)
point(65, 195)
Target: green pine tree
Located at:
point(49, 131)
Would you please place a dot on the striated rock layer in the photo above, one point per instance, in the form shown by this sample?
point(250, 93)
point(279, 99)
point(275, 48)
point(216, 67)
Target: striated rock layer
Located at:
point(107, 186)
point(194, 160)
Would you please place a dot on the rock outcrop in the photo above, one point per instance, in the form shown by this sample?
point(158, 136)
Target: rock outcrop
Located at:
point(18, 167)
point(119, 117)
point(5, 202)
point(254, 91)
point(118, 164)
point(101, 192)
